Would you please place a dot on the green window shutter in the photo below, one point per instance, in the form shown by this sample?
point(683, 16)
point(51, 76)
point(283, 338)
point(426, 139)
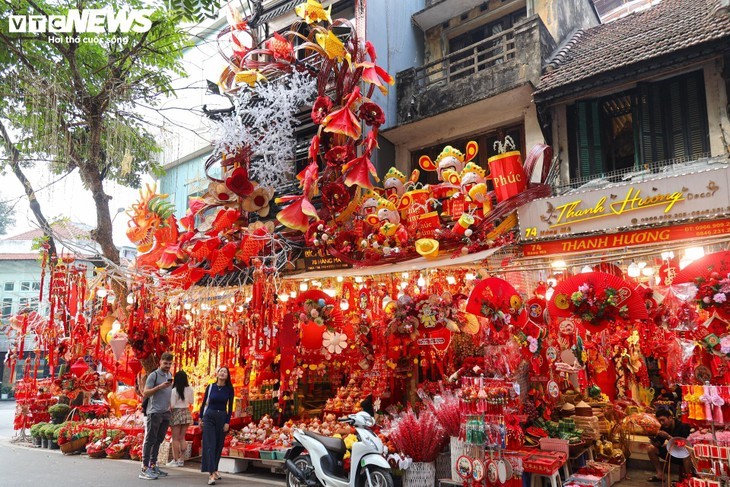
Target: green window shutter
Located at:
point(651, 130)
point(672, 118)
point(696, 131)
point(590, 153)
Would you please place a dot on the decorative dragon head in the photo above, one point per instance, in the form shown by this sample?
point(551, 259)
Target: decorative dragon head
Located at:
point(147, 216)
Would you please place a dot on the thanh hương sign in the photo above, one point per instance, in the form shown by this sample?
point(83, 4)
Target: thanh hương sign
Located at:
point(661, 200)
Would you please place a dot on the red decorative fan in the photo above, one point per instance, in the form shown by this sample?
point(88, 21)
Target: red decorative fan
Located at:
point(559, 304)
point(496, 294)
point(703, 267)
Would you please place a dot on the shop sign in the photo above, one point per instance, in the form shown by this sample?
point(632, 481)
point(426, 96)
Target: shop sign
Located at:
point(317, 260)
point(627, 239)
point(666, 200)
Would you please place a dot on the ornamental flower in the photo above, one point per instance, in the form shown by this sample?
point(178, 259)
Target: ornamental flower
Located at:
point(321, 108)
point(343, 120)
point(719, 298)
point(334, 342)
point(339, 155)
point(374, 74)
point(725, 344)
point(533, 344)
point(594, 307)
point(372, 114)
point(335, 196)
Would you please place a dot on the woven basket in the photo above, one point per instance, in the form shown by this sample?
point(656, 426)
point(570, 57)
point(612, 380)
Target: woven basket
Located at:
point(97, 454)
point(420, 474)
point(443, 465)
point(75, 445)
point(457, 450)
point(118, 455)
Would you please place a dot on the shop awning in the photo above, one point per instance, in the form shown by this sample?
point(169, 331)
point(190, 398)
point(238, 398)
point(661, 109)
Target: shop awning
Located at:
point(410, 265)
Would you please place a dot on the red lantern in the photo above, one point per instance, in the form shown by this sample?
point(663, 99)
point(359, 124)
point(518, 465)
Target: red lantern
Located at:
point(79, 367)
point(312, 335)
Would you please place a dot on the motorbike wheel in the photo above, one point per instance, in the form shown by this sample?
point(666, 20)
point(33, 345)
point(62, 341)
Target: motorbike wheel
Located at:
point(303, 463)
point(380, 477)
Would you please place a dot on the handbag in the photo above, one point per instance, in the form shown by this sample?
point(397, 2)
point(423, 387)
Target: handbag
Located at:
point(146, 400)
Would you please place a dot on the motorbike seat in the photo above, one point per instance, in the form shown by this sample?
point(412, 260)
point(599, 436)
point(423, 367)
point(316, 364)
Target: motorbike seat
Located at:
point(334, 445)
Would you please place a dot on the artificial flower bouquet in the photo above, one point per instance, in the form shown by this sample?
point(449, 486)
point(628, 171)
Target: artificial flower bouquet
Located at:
point(596, 306)
point(418, 436)
point(93, 411)
point(713, 293)
point(71, 431)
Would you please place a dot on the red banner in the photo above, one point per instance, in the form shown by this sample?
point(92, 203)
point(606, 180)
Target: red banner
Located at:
point(628, 239)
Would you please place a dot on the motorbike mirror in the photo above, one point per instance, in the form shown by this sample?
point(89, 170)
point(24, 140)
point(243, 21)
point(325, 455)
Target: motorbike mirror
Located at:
point(367, 405)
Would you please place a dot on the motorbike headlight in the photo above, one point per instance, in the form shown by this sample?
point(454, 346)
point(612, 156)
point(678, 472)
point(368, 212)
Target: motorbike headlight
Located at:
point(369, 421)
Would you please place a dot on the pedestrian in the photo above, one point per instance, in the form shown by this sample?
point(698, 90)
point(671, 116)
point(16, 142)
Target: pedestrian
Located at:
point(180, 401)
point(158, 389)
point(216, 417)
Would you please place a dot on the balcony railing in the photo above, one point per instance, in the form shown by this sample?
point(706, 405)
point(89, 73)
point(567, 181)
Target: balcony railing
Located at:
point(467, 61)
point(494, 65)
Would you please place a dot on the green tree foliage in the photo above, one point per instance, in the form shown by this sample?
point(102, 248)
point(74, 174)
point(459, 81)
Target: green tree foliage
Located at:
point(6, 217)
point(70, 100)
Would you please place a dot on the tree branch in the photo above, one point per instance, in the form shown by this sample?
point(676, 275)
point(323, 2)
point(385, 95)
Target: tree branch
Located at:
point(14, 164)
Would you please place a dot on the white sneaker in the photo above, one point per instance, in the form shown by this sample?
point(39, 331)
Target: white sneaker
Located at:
point(181, 463)
point(173, 463)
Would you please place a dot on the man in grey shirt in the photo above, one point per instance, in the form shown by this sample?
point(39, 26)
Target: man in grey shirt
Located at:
point(158, 389)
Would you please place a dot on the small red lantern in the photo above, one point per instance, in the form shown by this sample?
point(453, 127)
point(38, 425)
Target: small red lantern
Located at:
point(79, 367)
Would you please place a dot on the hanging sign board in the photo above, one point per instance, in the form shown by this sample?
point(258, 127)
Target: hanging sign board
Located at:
point(658, 201)
point(627, 239)
point(316, 260)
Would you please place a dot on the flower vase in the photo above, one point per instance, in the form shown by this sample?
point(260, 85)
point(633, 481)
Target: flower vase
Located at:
point(457, 450)
point(420, 474)
point(37, 441)
point(54, 445)
point(44, 443)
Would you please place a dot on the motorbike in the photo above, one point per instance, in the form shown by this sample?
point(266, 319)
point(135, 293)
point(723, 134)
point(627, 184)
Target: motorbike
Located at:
point(317, 461)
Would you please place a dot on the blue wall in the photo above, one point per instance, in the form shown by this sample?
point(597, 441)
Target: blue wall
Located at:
point(184, 180)
point(398, 43)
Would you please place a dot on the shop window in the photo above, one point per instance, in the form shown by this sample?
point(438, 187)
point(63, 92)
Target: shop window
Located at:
point(10, 286)
point(654, 123)
point(25, 303)
point(7, 310)
point(25, 286)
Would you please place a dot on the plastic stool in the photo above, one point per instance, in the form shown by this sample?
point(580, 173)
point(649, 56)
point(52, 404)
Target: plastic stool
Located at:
point(554, 479)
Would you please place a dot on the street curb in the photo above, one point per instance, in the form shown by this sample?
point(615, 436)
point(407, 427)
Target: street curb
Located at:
point(242, 477)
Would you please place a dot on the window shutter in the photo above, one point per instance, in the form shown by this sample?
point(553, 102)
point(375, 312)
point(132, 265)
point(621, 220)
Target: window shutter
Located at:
point(651, 132)
point(590, 153)
point(696, 130)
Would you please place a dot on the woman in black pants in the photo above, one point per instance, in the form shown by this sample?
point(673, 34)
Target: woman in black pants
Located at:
point(216, 416)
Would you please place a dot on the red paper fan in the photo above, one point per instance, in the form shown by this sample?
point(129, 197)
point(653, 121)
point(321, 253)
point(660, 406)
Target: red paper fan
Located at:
point(497, 294)
point(703, 267)
point(560, 303)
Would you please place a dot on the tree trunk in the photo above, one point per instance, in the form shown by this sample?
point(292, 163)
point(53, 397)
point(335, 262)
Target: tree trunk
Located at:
point(14, 163)
point(91, 175)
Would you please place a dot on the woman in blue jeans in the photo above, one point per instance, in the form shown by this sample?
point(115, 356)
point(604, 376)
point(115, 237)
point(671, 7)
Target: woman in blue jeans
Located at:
point(215, 418)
